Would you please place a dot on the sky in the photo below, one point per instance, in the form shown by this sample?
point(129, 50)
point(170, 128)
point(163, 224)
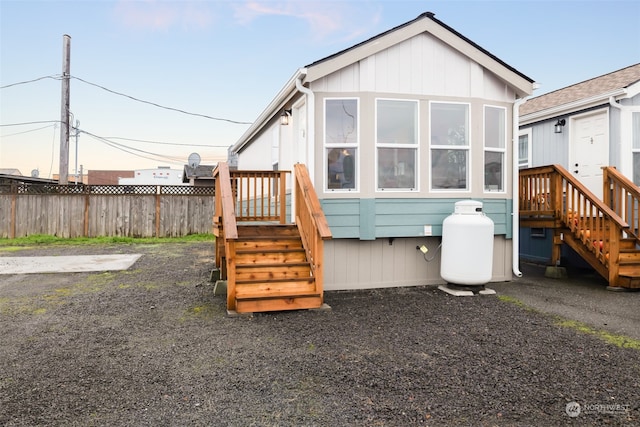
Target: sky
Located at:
point(153, 81)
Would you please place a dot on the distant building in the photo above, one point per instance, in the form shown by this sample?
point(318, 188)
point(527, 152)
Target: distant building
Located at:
point(9, 179)
point(10, 171)
point(107, 177)
point(84, 179)
point(163, 175)
point(198, 176)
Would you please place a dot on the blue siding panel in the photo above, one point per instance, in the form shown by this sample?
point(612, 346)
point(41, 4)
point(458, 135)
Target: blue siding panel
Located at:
point(368, 219)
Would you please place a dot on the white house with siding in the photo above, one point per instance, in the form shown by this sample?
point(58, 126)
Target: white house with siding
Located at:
point(582, 128)
point(394, 131)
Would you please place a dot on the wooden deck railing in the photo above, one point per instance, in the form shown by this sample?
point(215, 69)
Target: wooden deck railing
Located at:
point(260, 195)
point(623, 197)
point(311, 222)
point(552, 190)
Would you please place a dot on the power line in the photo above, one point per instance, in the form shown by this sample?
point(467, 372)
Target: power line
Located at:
point(30, 123)
point(27, 131)
point(161, 106)
point(168, 143)
point(54, 77)
point(127, 149)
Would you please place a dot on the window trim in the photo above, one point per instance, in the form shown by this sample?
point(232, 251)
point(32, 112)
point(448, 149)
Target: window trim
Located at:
point(415, 147)
point(327, 146)
point(502, 150)
point(467, 147)
point(529, 132)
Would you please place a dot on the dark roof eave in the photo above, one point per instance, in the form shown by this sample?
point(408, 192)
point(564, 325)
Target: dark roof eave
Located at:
point(429, 15)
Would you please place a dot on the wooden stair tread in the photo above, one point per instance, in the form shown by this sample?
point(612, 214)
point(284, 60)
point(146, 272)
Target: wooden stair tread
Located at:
point(297, 266)
point(308, 279)
point(276, 295)
point(268, 251)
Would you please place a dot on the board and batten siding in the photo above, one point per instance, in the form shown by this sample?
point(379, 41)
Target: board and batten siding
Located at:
point(356, 264)
point(422, 65)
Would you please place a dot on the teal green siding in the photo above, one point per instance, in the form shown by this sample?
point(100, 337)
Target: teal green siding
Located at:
point(368, 219)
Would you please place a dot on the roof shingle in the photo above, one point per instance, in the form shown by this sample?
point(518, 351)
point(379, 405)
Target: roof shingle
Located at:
point(599, 85)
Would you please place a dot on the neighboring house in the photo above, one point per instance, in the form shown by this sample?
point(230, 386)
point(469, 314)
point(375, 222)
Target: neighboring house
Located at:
point(582, 127)
point(198, 176)
point(11, 178)
point(394, 131)
point(10, 171)
point(163, 175)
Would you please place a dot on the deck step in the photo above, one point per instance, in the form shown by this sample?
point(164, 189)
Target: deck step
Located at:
point(630, 282)
point(266, 271)
point(276, 256)
point(293, 302)
point(275, 290)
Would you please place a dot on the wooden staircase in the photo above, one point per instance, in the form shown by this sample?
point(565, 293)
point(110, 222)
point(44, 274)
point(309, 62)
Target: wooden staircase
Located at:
point(268, 265)
point(603, 232)
point(272, 271)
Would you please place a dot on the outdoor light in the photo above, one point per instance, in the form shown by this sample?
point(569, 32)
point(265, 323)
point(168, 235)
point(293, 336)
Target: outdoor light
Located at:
point(559, 125)
point(284, 117)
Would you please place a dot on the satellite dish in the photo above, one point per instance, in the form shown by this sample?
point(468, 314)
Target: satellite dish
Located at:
point(35, 173)
point(194, 160)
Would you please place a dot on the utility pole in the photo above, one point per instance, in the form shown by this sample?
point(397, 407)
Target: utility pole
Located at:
point(63, 173)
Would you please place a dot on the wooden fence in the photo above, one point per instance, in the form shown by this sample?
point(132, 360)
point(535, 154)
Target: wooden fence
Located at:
point(105, 210)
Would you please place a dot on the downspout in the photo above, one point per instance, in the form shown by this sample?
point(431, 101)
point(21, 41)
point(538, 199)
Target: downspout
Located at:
point(311, 116)
point(613, 103)
point(515, 190)
point(310, 132)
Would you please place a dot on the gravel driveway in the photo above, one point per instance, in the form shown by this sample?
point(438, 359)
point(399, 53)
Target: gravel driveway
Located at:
point(153, 346)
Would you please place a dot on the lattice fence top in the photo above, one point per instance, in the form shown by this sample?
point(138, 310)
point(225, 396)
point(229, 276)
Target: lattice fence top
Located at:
point(186, 190)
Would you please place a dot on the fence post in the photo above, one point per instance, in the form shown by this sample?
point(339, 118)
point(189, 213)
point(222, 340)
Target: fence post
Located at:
point(85, 230)
point(158, 212)
point(14, 196)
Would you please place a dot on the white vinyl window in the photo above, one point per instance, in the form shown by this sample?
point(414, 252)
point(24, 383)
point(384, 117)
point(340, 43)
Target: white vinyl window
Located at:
point(396, 144)
point(450, 146)
point(341, 139)
point(524, 149)
point(495, 143)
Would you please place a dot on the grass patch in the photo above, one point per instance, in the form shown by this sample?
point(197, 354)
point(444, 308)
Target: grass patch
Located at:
point(14, 248)
point(204, 311)
point(617, 340)
point(512, 300)
point(43, 239)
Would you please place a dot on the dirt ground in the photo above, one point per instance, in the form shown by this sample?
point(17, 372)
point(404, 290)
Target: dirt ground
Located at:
point(153, 346)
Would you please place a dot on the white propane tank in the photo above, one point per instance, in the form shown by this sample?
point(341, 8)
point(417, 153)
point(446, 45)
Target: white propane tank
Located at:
point(467, 245)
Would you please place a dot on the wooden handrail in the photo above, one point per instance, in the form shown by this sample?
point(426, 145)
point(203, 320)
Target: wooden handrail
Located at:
point(224, 201)
point(311, 222)
point(542, 190)
point(623, 197)
point(226, 231)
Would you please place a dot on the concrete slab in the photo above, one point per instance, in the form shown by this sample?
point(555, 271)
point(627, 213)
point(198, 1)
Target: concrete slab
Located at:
point(462, 292)
point(66, 264)
point(455, 292)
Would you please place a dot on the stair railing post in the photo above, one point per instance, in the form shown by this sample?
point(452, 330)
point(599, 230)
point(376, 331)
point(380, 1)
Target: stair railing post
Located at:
point(613, 261)
point(283, 197)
